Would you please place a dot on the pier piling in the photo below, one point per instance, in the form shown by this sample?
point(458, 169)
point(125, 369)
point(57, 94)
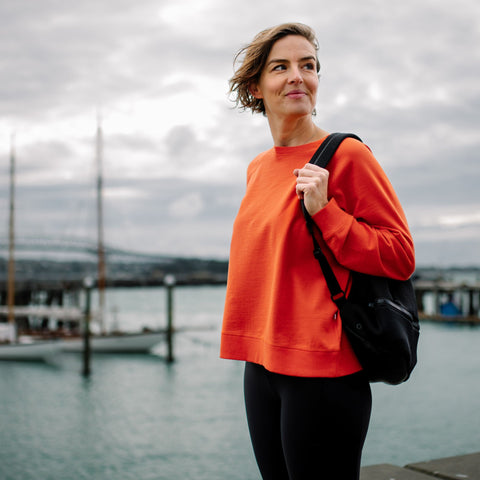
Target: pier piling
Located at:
point(86, 370)
point(169, 282)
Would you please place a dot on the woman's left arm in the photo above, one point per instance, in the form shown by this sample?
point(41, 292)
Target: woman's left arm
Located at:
point(363, 223)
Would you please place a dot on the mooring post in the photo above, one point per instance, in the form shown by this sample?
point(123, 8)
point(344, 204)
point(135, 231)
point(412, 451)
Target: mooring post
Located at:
point(88, 282)
point(169, 282)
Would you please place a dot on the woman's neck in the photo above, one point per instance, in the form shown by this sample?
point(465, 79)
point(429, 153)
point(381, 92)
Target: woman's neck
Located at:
point(295, 132)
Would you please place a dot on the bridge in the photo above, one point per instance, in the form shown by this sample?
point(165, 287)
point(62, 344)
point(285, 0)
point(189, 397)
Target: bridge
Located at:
point(39, 244)
point(58, 263)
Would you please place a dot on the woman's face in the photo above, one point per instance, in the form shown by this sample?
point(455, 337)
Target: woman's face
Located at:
point(289, 81)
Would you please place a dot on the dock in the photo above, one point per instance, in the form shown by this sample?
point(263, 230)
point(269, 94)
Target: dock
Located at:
point(450, 468)
point(453, 302)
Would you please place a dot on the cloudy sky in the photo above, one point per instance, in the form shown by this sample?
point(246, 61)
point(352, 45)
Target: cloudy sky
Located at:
point(402, 75)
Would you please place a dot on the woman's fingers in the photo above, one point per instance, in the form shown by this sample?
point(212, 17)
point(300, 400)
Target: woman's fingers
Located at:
point(312, 186)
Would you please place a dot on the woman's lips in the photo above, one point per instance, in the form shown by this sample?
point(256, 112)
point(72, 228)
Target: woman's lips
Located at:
point(296, 94)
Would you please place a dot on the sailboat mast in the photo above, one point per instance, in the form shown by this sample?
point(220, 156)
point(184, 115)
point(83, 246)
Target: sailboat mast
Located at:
point(11, 240)
point(100, 243)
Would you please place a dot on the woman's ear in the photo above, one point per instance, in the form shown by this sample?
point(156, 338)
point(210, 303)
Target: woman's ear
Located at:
point(255, 91)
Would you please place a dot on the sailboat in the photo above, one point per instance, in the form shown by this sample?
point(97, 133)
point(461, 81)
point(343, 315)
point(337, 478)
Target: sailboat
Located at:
point(36, 348)
point(13, 348)
point(112, 342)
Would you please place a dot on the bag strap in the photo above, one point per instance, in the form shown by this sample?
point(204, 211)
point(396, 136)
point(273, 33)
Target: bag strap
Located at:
point(328, 148)
point(321, 158)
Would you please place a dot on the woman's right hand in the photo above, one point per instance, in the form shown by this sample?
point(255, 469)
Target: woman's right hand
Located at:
point(312, 187)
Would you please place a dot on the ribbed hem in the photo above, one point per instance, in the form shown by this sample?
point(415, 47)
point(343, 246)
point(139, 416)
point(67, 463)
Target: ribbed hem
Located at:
point(290, 361)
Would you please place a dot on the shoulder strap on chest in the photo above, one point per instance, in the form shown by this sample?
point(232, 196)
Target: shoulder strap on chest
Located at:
point(321, 158)
point(328, 147)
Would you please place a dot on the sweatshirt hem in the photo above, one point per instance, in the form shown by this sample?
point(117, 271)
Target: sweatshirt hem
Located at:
point(290, 361)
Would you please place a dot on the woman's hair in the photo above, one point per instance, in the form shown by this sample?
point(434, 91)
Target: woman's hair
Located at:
point(254, 59)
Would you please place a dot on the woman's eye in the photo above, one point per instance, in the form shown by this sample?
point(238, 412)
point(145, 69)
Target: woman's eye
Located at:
point(279, 67)
point(309, 66)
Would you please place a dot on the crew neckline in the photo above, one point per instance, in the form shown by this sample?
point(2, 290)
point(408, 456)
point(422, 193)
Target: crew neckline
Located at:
point(279, 150)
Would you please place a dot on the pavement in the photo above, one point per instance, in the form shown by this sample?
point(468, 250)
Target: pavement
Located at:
point(466, 467)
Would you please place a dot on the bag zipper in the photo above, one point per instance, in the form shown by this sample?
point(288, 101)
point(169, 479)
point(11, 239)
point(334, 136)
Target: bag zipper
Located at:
point(387, 301)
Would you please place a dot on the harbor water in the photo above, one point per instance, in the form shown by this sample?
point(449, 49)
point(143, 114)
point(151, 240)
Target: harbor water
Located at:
point(139, 418)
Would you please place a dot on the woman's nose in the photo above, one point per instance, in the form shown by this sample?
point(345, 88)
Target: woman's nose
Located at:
point(295, 76)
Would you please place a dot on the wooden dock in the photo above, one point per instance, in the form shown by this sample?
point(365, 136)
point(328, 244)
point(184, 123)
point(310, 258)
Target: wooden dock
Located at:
point(451, 468)
point(455, 302)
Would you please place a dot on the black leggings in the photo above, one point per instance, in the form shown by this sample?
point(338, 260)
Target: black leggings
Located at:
point(307, 428)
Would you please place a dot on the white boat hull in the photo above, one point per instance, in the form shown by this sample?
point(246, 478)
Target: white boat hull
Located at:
point(30, 352)
point(121, 343)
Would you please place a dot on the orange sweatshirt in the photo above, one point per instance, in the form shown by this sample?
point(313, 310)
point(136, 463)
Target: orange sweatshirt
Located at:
point(278, 311)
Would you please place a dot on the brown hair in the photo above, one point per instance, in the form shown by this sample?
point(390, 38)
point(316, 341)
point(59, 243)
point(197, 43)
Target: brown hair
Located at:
point(254, 58)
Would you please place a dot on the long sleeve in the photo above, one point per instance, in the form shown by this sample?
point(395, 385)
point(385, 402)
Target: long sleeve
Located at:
point(363, 224)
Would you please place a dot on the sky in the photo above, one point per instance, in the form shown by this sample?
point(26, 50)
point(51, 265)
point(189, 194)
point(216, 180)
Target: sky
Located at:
point(404, 76)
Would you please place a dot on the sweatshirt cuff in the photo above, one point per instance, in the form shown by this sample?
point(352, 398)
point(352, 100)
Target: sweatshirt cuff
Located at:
point(332, 220)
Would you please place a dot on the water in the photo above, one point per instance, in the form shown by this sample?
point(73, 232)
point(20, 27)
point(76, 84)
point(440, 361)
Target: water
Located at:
point(139, 418)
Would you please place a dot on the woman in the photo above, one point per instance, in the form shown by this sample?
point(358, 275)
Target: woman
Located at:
point(307, 401)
